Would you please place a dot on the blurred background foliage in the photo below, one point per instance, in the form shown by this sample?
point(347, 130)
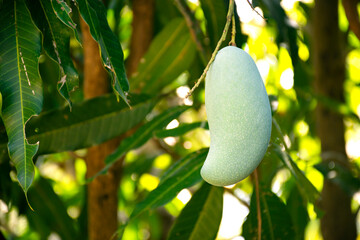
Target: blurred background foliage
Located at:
point(281, 46)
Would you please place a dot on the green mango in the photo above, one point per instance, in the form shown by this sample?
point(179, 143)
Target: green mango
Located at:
point(239, 116)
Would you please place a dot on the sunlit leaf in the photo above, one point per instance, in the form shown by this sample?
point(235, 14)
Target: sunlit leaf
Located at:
point(94, 14)
point(200, 218)
point(56, 42)
point(275, 220)
point(181, 129)
point(305, 186)
point(170, 54)
point(185, 174)
point(89, 123)
point(20, 84)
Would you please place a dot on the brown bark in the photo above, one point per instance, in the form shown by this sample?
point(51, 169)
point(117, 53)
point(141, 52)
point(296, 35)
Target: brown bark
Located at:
point(329, 58)
point(102, 191)
point(142, 32)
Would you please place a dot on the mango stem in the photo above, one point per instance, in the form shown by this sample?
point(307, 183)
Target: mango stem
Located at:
point(221, 40)
point(233, 32)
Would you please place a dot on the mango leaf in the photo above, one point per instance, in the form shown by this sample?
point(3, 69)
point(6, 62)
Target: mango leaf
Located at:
point(170, 54)
point(165, 11)
point(201, 217)
point(185, 174)
point(215, 15)
point(181, 129)
point(297, 209)
point(56, 42)
point(144, 133)
point(305, 186)
point(20, 84)
point(89, 123)
point(50, 213)
point(94, 14)
point(63, 11)
point(276, 221)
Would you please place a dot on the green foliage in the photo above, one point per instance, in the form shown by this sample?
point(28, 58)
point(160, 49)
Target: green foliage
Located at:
point(181, 129)
point(56, 39)
point(63, 12)
point(172, 52)
point(94, 14)
point(144, 133)
point(215, 14)
point(49, 213)
point(185, 173)
point(164, 136)
point(20, 84)
point(201, 217)
point(89, 123)
point(276, 221)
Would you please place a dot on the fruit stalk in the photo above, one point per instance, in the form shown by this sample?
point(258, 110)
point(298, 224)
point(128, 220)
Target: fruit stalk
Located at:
point(222, 39)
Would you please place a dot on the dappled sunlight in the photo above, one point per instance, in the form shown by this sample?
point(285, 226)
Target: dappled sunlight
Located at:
point(148, 181)
point(287, 79)
point(184, 196)
point(234, 214)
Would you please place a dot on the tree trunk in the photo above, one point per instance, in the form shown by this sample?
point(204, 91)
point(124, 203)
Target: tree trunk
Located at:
point(103, 190)
point(142, 32)
point(102, 201)
point(329, 60)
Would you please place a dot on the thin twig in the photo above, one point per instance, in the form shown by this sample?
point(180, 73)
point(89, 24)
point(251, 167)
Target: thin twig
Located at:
point(255, 9)
point(194, 28)
point(222, 39)
point(258, 202)
point(233, 32)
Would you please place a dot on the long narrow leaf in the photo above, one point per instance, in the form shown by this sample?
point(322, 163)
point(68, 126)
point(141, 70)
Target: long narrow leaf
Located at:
point(94, 14)
point(89, 123)
point(305, 186)
point(276, 221)
point(170, 53)
point(56, 42)
point(200, 218)
point(215, 14)
point(20, 83)
point(63, 11)
point(297, 209)
point(184, 175)
point(144, 133)
point(181, 129)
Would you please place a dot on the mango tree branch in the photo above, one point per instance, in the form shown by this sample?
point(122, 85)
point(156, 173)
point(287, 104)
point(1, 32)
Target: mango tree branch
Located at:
point(222, 39)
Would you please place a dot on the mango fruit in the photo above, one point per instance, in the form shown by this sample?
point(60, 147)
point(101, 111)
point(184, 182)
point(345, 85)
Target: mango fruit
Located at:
point(239, 117)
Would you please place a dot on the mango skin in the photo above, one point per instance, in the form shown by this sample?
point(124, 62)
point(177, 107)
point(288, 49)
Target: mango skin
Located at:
point(239, 116)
